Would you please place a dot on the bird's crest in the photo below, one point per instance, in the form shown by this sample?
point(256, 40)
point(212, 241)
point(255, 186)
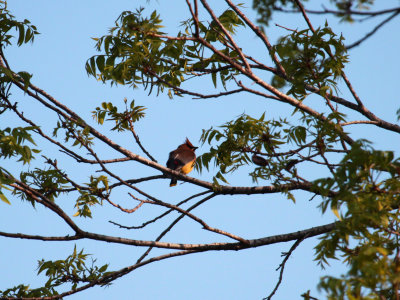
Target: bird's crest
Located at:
point(189, 144)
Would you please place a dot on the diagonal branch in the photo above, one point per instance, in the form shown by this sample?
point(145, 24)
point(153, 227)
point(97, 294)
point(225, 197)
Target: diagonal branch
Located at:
point(361, 108)
point(282, 266)
point(260, 34)
point(138, 141)
point(40, 198)
point(377, 27)
point(339, 12)
point(193, 217)
point(165, 231)
point(160, 216)
point(230, 38)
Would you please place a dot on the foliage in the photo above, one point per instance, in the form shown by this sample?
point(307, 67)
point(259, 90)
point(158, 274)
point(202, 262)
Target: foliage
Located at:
point(72, 270)
point(309, 60)
point(136, 53)
point(11, 143)
point(122, 120)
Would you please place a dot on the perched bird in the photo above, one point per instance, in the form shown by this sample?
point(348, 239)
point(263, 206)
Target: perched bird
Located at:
point(259, 161)
point(182, 159)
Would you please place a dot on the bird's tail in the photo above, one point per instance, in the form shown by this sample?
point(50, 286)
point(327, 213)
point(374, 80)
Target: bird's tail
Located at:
point(173, 182)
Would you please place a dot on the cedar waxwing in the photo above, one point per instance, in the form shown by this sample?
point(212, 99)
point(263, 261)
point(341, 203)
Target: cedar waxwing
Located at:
point(182, 159)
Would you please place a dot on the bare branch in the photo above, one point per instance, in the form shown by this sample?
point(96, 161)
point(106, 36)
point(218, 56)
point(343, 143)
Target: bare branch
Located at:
point(40, 237)
point(359, 122)
point(162, 215)
point(129, 211)
point(376, 28)
point(173, 224)
point(260, 34)
point(339, 12)
point(282, 266)
point(193, 217)
point(138, 141)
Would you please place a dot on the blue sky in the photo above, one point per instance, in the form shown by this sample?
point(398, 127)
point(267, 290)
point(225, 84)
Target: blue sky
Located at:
point(56, 59)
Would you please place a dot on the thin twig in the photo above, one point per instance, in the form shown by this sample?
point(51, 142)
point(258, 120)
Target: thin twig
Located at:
point(376, 28)
point(193, 217)
point(138, 141)
point(339, 12)
point(282, 266)
point(260, 34)
point(160, 216)
point(173, 224)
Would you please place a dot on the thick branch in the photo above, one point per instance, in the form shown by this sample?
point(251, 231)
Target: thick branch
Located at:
point(253, 243)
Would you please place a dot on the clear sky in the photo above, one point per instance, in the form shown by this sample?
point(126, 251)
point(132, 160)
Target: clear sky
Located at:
point(57, 58)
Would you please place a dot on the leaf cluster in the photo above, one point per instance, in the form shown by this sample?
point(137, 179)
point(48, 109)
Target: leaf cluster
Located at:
point(26, 31)
point(345, 7)
point(22, 290)
point(266, 8)
point(73, 270)
point(5, 180)
point(122, 119)
point(91, 196)
point(137, 53)
point(48, 182)
point(12, 142)
point(366, 198)
point(246, 135)
point(312, 59)
point(73, 131)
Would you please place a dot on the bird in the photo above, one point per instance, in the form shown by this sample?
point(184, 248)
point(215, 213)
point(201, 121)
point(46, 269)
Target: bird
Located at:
point(182, 159)
point(259, 161)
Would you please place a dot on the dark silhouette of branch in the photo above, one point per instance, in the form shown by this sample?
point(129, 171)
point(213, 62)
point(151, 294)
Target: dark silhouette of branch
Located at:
point(222, 246)
point(282, 266)
point(40, 237)
point(160, 216)
point(260, 34)
point(361, 108)
point(376, 28)
point(173, 224)
point(138, 141)
point(191, 216)
point(341, 12)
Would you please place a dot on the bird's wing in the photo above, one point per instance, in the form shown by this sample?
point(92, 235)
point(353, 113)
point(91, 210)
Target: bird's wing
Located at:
point(179, 159)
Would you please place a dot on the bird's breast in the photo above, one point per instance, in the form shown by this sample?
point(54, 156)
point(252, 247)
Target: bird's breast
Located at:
point(188, 167)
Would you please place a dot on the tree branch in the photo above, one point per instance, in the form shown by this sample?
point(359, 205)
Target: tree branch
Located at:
point(282, 266)
point(376, 28)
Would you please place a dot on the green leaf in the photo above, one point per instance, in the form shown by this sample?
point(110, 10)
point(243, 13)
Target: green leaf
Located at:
point(4, 198)
point(21, 37)
point(336, 212)
point(26, 77)
point(100, 63)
